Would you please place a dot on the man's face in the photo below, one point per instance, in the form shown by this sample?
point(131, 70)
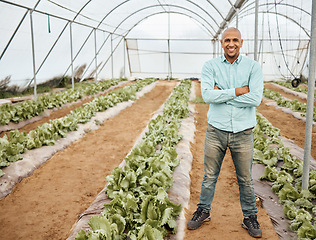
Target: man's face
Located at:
point(231, 43)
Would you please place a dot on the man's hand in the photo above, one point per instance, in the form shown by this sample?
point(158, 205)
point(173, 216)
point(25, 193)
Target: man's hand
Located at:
point(241, 90)
point(216, 88)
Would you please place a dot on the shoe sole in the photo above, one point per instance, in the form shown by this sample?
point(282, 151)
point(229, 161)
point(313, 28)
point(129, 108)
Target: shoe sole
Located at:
point(255, 236)
point(205, 220)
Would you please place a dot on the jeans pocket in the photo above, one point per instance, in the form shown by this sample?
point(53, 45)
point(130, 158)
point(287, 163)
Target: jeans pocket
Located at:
point(247, 131)
point(210, 128)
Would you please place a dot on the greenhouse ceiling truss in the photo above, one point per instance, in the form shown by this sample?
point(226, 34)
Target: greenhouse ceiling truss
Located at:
point(237, 10)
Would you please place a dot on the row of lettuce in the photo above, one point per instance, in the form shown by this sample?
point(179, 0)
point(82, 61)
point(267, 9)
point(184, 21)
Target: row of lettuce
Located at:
point(289, 85)
point(30, 108)
point(294, 105)
point(285, 172)
point(139, 207)
point(15, 143)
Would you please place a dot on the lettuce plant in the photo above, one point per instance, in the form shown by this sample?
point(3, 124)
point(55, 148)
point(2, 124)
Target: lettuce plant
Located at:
point(139, 190)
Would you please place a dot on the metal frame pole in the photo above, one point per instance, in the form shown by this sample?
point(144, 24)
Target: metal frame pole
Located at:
point(72, 58)
point(256, 32)
point(124, 57)
point(112, 55)
point(95, 54)
point(310, 100)
point(129, 61)
point(237, 18)
point(169, 58)
point(33, 56)
point(262, 41)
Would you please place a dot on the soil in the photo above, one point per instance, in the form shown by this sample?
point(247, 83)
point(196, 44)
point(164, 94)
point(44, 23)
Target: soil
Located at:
point(46, 204)
point(63, 111)
point(290, 127)
point(284, 94)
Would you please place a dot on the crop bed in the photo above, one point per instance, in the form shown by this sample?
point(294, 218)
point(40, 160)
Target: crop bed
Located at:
point(46, 204)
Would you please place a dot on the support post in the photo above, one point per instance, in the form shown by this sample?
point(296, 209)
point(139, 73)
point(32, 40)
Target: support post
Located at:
point(33, 56)
point(129, 62)
point(169, 58)
point(255, 51)
point(237, 17)
point(310, 100)
point(124, 57)
point(72, 58)
point(95, 55)
point(112, 55)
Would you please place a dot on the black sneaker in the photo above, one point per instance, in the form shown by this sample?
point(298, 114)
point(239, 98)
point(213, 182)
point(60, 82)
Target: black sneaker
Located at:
point(252, 225)
point(199, 216)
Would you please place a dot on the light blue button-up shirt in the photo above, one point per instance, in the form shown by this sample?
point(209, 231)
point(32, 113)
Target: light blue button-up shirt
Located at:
point(227, 111)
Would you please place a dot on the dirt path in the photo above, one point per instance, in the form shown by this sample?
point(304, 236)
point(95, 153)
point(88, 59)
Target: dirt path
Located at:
point(46, 205)
point(290, 127)
point(285, 94)
point(59, 113)
point(226, 211)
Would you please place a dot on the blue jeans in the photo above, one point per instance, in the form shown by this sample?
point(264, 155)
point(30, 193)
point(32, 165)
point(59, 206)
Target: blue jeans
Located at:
point(241, 148)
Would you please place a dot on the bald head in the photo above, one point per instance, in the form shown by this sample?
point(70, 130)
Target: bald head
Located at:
point(231, 29)
point(231, 43)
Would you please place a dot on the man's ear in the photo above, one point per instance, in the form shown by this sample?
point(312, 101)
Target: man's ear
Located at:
point(241, 42)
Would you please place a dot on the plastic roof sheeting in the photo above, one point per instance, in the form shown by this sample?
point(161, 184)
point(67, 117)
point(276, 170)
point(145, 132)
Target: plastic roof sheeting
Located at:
point(106, 39)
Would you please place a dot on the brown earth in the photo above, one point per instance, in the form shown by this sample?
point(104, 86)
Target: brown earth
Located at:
point(63, 111)
point(46, 204)
point(290, 127)
point(285, 94)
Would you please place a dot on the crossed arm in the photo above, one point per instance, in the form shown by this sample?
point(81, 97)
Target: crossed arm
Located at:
point(238, 91)
point(245, 96)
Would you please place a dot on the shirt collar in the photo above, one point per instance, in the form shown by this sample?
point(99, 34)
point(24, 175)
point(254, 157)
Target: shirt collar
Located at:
point(236, 61)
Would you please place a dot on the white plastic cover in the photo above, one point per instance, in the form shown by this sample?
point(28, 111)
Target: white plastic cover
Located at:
point(140, 38)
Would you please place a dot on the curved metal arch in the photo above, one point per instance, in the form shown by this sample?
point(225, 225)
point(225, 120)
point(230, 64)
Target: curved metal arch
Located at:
point(162, 13)
point(122, 3)
point(283, 15)
point(160, 5)
point(216, 9)
point(81, 9)
point(124, 37)
point(285, 4)
point(78, 13)
point(165, 12)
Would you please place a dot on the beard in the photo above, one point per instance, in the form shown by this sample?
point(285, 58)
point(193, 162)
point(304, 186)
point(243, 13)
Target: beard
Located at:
point(232, 56)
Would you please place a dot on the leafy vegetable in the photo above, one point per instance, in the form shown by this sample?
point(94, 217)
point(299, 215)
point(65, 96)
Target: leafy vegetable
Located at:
point(48, 133)
point(138, 191)
point(298, 204)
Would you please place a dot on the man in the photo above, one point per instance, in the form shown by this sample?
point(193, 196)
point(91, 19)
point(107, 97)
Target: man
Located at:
point(232, 84)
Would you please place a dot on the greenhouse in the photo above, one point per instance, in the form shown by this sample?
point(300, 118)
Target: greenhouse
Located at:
point(104, 116)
